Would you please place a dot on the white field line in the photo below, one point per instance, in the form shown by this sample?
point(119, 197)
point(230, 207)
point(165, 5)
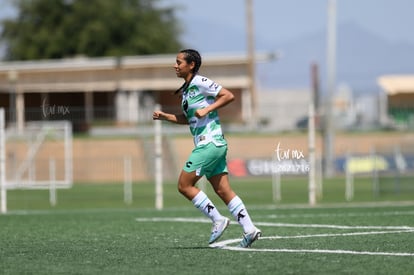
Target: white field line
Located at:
point(176, 219)
point(324, 251)
point(347, 205)
point(328, 215)
point(225, 244)
point(337, 235)
point(221, 244)
point(270, 224)
point(333, 226)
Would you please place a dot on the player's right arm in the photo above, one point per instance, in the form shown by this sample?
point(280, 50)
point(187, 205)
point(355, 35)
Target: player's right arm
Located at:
point(174, 118)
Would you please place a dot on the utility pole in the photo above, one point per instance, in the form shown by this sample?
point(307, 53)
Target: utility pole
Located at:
point(331, 83)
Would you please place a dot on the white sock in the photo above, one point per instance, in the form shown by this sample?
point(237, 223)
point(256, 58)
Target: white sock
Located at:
point(204, 204)
point(239, 212)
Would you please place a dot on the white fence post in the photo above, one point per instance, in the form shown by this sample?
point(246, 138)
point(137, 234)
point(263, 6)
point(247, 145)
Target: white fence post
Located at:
point(158, 163)
point(312, 159)
point(349, 179)
point(3, 191)
point(52, 179)
point(127, 180)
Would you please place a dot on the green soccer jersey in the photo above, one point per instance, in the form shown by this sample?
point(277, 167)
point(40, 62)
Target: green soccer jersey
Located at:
point(200, 93)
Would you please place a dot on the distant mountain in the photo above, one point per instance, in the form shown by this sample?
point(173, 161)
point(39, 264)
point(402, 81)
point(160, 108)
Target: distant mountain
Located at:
point(361, 58)
point(361, 55)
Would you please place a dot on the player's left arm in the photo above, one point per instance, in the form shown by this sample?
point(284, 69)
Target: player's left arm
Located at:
point(223, 98)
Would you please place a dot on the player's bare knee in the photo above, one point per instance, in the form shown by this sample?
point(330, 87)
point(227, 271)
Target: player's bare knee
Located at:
point(221, 192)
point(183, 188)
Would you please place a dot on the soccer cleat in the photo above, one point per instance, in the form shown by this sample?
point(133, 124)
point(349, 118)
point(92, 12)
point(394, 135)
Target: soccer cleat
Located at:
point(249, 238)
point(218, 229)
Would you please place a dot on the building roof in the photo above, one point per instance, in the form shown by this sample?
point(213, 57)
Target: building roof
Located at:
point(397, 84)
point(162, 60)
point(151, 72)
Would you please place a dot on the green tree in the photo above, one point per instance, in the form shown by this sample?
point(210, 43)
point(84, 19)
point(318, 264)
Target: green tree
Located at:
point(50, 29)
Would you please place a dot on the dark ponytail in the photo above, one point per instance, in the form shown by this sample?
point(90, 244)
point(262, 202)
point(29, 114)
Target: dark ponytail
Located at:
point(190, 55)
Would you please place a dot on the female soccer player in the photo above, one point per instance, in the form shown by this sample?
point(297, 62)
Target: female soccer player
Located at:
point(201, 98)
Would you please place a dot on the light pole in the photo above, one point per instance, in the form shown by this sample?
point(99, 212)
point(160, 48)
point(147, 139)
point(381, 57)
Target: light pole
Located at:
point(251, 60)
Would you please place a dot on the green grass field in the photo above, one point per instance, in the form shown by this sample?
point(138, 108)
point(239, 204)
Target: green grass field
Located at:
point(91, 230)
